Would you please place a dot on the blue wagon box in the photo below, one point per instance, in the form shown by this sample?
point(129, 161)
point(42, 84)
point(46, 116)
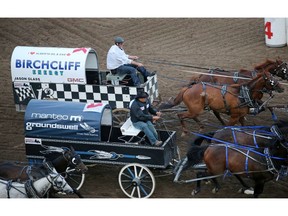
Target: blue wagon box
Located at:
point(88, 128)
point(66, 120)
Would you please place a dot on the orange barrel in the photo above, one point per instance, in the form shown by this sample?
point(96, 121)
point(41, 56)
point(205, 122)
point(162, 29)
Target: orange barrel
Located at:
point(275, 32)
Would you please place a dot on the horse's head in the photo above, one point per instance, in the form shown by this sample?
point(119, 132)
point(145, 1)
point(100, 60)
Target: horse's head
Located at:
point(74, 160)
point(271, 83)
point(280, 69)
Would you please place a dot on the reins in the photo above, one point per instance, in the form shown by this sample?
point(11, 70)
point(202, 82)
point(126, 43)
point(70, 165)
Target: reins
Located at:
point(64, 155)
point(259, 67)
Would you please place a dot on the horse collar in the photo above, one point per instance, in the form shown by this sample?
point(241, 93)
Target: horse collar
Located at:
point(245, 95)
point(254, 73)
point(236, 77)
point(30, 190)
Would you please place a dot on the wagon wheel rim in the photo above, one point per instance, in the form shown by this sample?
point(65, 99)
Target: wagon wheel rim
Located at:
point(74, 178)
point(120, 116)
point(136, 181)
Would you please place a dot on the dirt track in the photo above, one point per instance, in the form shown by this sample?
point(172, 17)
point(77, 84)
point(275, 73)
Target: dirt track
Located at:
point(225, 43)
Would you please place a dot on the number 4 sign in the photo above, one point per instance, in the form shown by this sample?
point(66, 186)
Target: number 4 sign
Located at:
point(275, 32)
point(268, 31)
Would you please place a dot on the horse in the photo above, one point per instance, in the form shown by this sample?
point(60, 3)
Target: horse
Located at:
point(222, 77)
point(234, 100)
point(37, 188)
point(68, 158)
point(236, 139)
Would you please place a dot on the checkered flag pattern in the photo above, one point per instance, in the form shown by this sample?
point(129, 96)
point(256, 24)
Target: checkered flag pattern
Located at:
point(117, 96)
point(24, 92)
point(152, 88)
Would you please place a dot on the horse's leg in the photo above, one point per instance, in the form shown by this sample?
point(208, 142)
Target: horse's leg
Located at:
point(184, 115)
point(217, 114)
point(216, 185)
point(198, 184)
point(181, 117)
point(274, 117)
point(201, 126)
point(246, 188)
point(234, 119)
point(242, 121)
point(259, 187)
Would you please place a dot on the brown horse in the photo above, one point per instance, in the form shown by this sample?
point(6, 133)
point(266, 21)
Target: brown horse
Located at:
point(254, 136)
point(222, 77)
point(258, 164)
point(241, 151)
point(233, 100)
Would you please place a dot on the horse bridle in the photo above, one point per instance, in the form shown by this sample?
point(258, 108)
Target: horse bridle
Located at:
point(270, 81)
point(72, 159)
point(281, 68)
point(53, 183)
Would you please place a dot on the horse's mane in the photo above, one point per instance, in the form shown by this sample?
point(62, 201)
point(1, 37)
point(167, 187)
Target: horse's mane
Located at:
point(265, 64)
point(248, 81)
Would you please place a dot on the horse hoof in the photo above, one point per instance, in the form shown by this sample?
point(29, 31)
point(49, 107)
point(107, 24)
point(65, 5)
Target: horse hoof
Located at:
point(194, 192)
point(249, 191)
point(241, 190)
point(207, 182)
point(215, 190)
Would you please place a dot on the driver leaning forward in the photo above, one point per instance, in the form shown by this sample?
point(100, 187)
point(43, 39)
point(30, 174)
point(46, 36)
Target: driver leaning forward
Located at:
point(140, 113)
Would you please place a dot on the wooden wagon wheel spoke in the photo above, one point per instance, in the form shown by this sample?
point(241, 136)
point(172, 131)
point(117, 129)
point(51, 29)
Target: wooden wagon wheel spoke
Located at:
point(136, 181)
point(120, 116)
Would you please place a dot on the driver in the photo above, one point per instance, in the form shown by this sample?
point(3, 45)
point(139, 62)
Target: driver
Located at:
point(119, 62)
point(142, 115)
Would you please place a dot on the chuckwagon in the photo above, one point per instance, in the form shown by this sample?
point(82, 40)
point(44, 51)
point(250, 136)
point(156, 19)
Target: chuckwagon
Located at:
point(69, 102)
point(72, 74)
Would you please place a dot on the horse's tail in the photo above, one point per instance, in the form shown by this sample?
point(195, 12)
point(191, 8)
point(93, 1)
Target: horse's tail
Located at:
point(176, 101)
point(195, 154)
point(194, 79)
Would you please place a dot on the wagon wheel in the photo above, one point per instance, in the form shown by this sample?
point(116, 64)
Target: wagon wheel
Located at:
point(136, 181)
point(120, 115)
point(74, 178)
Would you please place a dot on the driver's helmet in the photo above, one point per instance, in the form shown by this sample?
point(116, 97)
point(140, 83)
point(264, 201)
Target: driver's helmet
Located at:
point(119, 40)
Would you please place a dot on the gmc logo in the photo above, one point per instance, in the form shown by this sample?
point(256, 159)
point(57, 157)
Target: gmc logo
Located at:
point(75, 80)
